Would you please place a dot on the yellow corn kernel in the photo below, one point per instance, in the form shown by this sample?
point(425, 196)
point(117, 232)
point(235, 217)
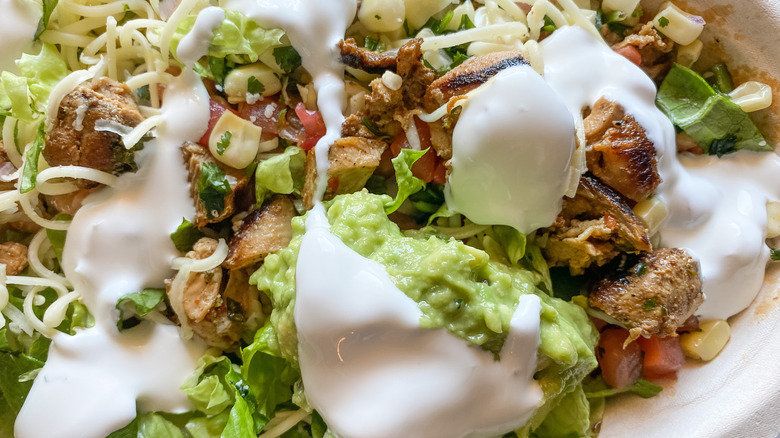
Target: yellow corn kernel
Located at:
point(705, 343)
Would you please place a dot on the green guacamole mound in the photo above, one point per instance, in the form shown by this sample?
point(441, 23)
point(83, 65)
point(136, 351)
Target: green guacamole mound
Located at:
point(456, 286)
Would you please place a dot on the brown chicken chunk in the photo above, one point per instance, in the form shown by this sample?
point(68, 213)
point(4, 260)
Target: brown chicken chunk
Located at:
point(14, 256)
point(593, 227)
point(352, 161)
point(195, 156)
point(657, 295)
point(217, 304)
point(262, 232)
point(468, 76)
point(619, 152)
point(654, 48)
point(367, 60)
point(6, 168)
point(73, 139)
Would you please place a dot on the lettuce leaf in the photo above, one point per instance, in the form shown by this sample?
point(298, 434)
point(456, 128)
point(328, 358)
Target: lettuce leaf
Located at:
point(718, 125)
point(280, 174)
point(30, 170)
point(571, 418)
point(237, 35)
point(22, 95)
point(408, 184)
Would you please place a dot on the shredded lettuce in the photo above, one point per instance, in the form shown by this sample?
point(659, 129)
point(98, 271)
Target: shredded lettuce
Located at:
point(236, 36)
point(718, 125)
point(185, 236)
point(30, 170)
point(407, 183)
point(280, 174)
point(137, 304)
point(24, 96)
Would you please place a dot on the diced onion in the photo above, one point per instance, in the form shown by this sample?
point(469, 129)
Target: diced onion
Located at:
point(683, 28)
point(687, 55)
point(392, 80)
point(651, 212)
point(237, 81)
point(625, 6)
point(382, 15)
point(243, 141)
point(772, 219)
point(752, 96)
point(706, 342)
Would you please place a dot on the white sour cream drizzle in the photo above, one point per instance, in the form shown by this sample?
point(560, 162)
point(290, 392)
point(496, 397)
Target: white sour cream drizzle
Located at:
point(118, 243)
point(511, 151)
point(717, 207)
point(372, 371)
point(314, 28)
point(18, 23)
point(196, 42)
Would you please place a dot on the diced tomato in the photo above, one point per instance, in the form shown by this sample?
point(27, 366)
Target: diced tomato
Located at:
point(631, 53)
point(620, 367)
point(663, 356)
point(263, 113)
point(312, 124)
point(215, 112)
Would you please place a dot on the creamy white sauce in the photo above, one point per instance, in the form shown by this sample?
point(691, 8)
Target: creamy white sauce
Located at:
point(718, 212)
point(314, 28)
point(18, 23)
point(511, 151)
point(196, 43)
point(371, 371)
point(119, 243)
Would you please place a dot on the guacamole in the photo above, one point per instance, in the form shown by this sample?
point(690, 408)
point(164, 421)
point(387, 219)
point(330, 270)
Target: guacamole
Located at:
point(456, 286)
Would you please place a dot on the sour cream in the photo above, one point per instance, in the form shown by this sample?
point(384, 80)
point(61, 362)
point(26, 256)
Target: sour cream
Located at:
point(511, 151)
point(718, 212)
point(371, 371)
point(119, 243)
point(18, 23)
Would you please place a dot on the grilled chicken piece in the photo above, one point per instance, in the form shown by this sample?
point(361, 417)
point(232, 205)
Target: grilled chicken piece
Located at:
point(384, 106)
point(468, 76)
point(594, 226)
point(195, 155)
point(14, 256)
point(367, 60)
point(73, 139)
point(654, 49)
point(619, 152)
point(217, 308)
point(657, 295)
point(352, 161)
point(69, 203)
point(262, 232)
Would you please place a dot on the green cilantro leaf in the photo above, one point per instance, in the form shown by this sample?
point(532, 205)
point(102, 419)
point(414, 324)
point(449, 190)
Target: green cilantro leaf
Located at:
point(224, 142)
point(253, 86)
point(287, 58)
point(374, 44)
point(650, 304)
point(774, 254)
point(213, 187)
point(663, 21)
point(185, 236)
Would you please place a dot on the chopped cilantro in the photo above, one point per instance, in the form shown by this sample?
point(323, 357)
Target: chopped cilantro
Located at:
point(212, 189)
point(372, 128)
point(723, 146)
point(663, 21)
point(774, 254)
point(219, 69)
point(377, 16)
point(650, 304)
point(287, 58)
point(637, 13)
point(640, 269)
point(374, 44)
point(224, 142)
point(185, 236)
point(235, 311)
point(253, 86)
